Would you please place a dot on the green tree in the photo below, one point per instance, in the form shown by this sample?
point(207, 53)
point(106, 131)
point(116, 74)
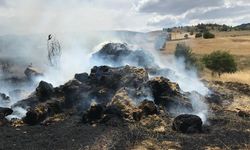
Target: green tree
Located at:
point(220, 62)
point(198, 35)
point(184, 51)
point(186, 36)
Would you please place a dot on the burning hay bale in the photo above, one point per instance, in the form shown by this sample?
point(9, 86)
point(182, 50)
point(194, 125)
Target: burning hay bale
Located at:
point(36, 115)
point(120, 111)
point(121, 107)
point(163, 87)
point(119, 54)
point(187, 123)
point(100, 113)
point(118, 77)
point(44, 91)
point(71, 93)
point(3, 113)
point(121, 87)
point(82, 77)
point(39, 112)
point(95, 113)
point(168, 94)
point(120, 93)
point(122, 100)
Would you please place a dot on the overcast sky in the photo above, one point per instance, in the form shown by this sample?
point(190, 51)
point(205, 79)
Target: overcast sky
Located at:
point(41, 16)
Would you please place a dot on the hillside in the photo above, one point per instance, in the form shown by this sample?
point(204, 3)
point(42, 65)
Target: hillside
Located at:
point(245, 26)
point(209, 26)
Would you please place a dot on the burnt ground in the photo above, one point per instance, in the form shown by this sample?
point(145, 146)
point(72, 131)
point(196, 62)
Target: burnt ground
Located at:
point(68, 134)
point(226, 130)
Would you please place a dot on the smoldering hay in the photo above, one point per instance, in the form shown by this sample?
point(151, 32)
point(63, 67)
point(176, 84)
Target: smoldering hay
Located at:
point(119, 55)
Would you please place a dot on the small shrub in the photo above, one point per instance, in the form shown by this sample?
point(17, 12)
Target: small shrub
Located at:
point(208, 35)
point(220, 62)
point(198, 35)
point(186, 36)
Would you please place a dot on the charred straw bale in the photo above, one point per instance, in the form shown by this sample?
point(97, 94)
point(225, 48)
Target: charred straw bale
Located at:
point(118, 77)
point(95, 113)
point(5, 112)
point(119, 54)
point(187, 123)
point(71, 93)
point(44, 91)
point(36, 115)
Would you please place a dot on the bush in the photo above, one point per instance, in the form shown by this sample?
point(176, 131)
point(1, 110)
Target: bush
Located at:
point(198, 35)
point(184, 51)
point(186, 36)
point(208, 35)
point(220, 62)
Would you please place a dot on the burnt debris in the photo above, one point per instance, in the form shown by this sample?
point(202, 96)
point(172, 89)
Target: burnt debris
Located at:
point(105, 93)
point(187, 124)
point(3, 113)
point(119, 54)
point(112, 94)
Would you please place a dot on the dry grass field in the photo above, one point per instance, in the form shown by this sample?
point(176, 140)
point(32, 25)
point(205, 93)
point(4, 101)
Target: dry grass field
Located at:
point(240, 76)
point(236, 42)
point(238, 45)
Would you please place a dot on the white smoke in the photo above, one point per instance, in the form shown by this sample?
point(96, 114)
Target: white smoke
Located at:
point(76, 53)
point(72, 61)
point(15, 93)
point(187, 79)
point(200, 107)
point(70, 20)
point(18, 113)
point(76, 60)
point(64, 16)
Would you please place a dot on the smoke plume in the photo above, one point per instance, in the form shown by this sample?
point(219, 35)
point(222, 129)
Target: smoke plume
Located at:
point(30, 22)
